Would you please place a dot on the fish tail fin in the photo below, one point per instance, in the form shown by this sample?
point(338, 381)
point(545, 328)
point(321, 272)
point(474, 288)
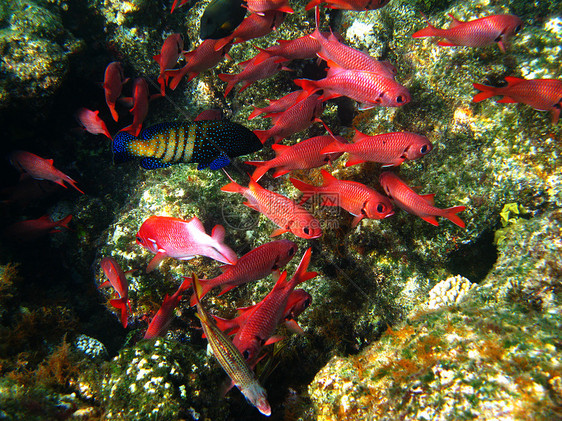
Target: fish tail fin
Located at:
point(428, 31)
point(233, 186)
point(205, 288)
point(121, 304)
point(257, 111)
point(177, 75)
point(451, 215)
point(220, 44)
point(262, 135)
point(487, 92)
point(312, 4)
point(231, 81)
point(226, 252)
point(64, 222)
point(262, 168)
point(308, 86)
point(162, 79)
point(308, 190)
point(262, 56)
point(302, 273)
point(113, 111)
point(334, 147)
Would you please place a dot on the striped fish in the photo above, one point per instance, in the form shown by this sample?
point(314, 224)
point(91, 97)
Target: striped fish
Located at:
point(209, 143)
point(230, 358)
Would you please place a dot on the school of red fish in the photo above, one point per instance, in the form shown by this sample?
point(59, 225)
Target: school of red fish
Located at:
point(350, 73)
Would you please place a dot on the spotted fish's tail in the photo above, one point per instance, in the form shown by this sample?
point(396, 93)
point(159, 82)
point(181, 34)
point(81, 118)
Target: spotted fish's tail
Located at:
point(121, 147)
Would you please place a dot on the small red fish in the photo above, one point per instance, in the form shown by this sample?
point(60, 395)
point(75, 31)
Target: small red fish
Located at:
point(171, 51)
point(183, 240)
point(256, 264)
point(356, 198)
point(259, 327)
point(175, 4)
point(541, 94)
point(420, 205)
point(301, 156)
point(358, 5)
point(262, 6)
point(198, 60)
point(161, 321)
point(32, 229)
point(294, 49)
point(252, 72)
point(281, 210)
point(254, 26)
point(277, 105)
point(298, 117)
point(40, 168)
point(475, 33)
point(389, 149)
point(116, 279)
point(139, 101)
point(91, 121)
point(113, 82)
point(212, 114)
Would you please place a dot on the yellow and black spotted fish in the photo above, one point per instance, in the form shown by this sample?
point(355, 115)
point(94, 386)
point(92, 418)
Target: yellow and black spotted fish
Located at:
point(210, 143)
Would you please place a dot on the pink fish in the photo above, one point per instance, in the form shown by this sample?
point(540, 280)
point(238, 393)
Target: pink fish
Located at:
point(298, 117)
point(389, 149)
point(356, 198)
point(171, 51)
point(475, 33)
point(40, 168)
point(201, 58)
point(116, 279)
point(277, 105)
point(281, 210)
point(183, 240)
point(213, 114)
point(92, 122)
point(113, 82)
point(252, 72)
point(358, 5)
point(256, 264)
point(262, 6)
point(139, 101)
point(259, 327)
point(294, 49)
point(370, 89)
point(254, 26)
point(420, 205)
point(161, 321)
point(541, 94)
point(32, 229)
point(301, 156)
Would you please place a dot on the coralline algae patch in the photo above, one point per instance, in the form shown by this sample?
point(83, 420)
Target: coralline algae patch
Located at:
point(457, 364)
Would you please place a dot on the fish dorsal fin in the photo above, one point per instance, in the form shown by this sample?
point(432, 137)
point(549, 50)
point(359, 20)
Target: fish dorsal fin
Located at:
point(512, 80)
point(157, 58)
point(359, 136)
point(279, 148)
point(278, 231)
point(327, 177)
point(454, 21)
point(197, 224)
point(218, 234)
point(429, 198)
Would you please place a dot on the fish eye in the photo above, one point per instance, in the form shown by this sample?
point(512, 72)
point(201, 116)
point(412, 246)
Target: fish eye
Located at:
point(246, 354)
point(380, 208)
point(517, 29)
point(423, 149)
point(139, 239)
point(307, 302)
point(326, 159)
point(306, 230)
point(399, 99)
point(291, 251)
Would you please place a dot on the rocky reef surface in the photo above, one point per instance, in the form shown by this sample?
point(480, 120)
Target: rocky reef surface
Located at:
point(407, 320)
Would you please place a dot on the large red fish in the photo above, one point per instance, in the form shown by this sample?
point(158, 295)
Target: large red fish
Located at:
point(183, 240)
point(40, 168)
point(198, 60)
point(161, 321)
point(358, 5)
point(139, 102)
point(256, 264)
point(171, 51)
point(541, 94)
point(261, 323)
point(113, 82)
point(389, 149)
point(475, 33)
point(296, 118)
point(282, 211)
point(92, 122)
point(356, 198)
point(420, 205)
point(116, 279)
point(301, 156)
point(32, 229)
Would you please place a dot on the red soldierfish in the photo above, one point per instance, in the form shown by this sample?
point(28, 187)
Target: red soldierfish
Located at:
point(475, 33)
point(358, 5)
point(161, 321)
point(230, 358)
point(92, 122)
point(171, 51)
point(254, 26)
point(261, 323)
point(301, 156)
point(198, 60)
point(541, 94)
point(262, 6)
point(113, 85)
point(116, 279)
point(293, 120)
point(139, 101)
point(277, 105)
point(281, 210)
point(294, 49)
point(40, 168)
point(252, 72)
point(356, 198)
point(256, 264)
point(32, 229)
point(389, 149)
point(183, 240)
point(420, 205)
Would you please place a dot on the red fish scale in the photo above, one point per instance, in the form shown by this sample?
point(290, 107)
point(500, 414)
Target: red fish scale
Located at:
point(299, 48)
point(541, 94)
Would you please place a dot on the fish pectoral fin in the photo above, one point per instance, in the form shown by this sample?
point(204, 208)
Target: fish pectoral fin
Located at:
point(278, 231)
point(219, 162)
point(273, 339)
point(431, 219)
point(356, 220)
point(156, 260)
point(252, 206)
point(293, 326)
